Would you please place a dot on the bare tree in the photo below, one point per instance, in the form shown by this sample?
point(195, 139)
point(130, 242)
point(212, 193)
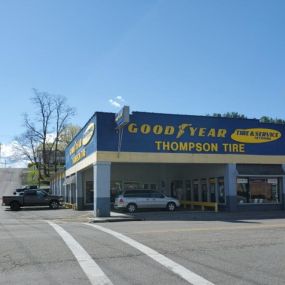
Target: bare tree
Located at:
point(39, 125)
point(25, 148)
point(40, 142)
point(62, 114)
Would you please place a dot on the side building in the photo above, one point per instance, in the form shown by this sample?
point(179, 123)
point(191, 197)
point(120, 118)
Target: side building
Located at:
point(237, 163)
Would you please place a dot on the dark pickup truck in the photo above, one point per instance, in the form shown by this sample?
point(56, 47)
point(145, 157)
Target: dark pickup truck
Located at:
point(32, 198)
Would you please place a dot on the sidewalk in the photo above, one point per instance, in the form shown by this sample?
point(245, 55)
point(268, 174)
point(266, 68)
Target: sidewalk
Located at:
point(187, 216)
point(115, 217)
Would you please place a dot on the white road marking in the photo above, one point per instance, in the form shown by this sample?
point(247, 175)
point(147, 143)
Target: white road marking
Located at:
point(178, 269)
point(228, 228)
point(88, 265)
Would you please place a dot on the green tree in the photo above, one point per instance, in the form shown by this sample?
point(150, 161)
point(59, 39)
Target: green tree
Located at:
point(235, 115)
point(266, 119)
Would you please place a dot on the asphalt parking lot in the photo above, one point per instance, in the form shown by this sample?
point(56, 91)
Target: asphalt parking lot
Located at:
point(157, 248)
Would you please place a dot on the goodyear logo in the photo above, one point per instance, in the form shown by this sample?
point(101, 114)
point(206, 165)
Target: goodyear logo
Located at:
point(256, 135)
point(88, 133)
point(76, 149)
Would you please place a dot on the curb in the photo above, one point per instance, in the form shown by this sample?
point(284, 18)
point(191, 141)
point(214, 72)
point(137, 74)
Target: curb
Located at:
point(114, 220)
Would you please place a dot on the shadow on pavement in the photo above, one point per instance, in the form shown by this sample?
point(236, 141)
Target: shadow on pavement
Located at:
point(251, 217)
point(44, 208)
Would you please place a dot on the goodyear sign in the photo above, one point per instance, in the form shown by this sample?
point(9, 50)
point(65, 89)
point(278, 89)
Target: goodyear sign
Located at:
point(83, 145)
point(151, 132)
point(165, 133)
point(256, 135)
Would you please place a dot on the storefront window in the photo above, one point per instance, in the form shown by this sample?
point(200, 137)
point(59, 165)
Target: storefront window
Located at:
point(139, 186)
point(153, 186)
point(212, 182)
point(243, 190)
point(188, 190)
point(133, 185)
point(116, 189)
point(258, 190)
point(196, 190)
point(204, 190)
point(89, 191)
point(221, 190)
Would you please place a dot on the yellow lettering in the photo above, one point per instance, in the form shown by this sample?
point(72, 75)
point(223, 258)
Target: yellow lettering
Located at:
point(157, 129)
point(158, 144)
point(221, 133)
point(79, 156)
point(233, 147)
point(192, 131)
point(77, 145)
point(191, 146)
point(202, 132)
point(182, 128)
point(198, 147)
point(214, 147)
point(145, 129)
point(169, 130)
point(132, 128)
point(165, 145)
point(174, 146)
point(183, 146)
point(212, 133)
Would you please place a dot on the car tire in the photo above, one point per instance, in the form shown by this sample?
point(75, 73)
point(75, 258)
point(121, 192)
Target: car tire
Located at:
point(171, 206)
point(15, 206)
point(54, 205)
point(131, 207)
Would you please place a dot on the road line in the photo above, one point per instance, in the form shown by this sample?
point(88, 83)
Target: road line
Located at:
point(178, 269)
point(228, 228)
point(88, 265)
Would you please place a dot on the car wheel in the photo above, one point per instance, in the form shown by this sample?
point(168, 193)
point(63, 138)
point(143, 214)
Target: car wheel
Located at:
point(171, 206)
point(54, 205)
point(132, 208)
point(15, 206)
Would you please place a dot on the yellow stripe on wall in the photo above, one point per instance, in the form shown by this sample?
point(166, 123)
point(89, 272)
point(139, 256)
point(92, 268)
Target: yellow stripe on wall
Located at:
point(187, 158)
point(138, 157)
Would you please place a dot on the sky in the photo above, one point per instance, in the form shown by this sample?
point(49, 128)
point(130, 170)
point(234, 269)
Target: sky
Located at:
point(193, 57)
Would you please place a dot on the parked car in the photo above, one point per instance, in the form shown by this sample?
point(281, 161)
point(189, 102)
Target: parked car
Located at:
point(27, 187)
point(132, 200)
point(32, 198)
point(20, 191)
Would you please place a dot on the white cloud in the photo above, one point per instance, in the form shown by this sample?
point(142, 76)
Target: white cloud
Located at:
point(118, 102)
point(7, 157)
point(120, 98)
point(51, 137)
point(114, 103)
point(7, 149)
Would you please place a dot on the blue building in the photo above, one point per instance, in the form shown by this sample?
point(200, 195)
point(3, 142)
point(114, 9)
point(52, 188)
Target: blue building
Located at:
point(237, 163)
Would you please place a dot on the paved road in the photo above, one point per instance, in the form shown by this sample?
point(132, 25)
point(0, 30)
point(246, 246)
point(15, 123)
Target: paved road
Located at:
point(10, 179)
point(58, 247)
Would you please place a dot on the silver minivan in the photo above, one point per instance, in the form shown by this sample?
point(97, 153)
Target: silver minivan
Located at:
point(142, 199)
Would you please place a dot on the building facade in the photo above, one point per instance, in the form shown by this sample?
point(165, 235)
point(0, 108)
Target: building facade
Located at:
point(237, 163)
